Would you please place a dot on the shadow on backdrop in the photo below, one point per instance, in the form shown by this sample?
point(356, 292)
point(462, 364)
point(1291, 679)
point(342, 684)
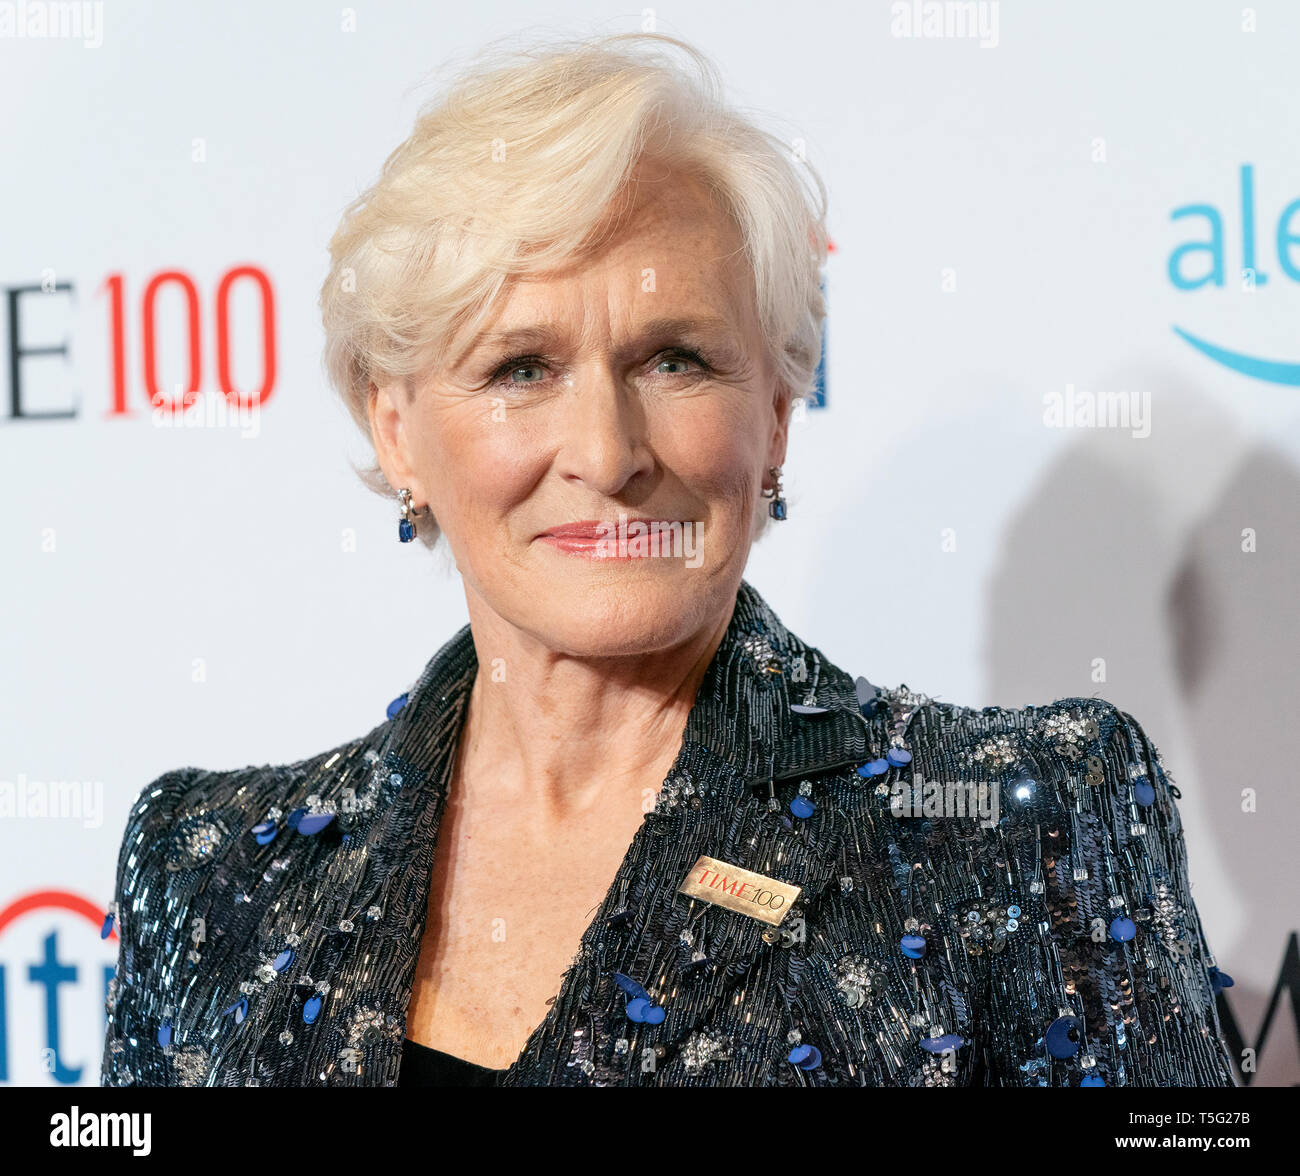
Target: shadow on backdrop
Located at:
point(1131, 550)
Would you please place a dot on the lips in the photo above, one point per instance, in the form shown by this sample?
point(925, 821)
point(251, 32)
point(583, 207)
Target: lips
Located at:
point(594, 539)
point(591, 530)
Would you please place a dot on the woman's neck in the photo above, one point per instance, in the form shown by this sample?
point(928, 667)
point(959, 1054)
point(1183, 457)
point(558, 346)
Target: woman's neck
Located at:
point(561, 733)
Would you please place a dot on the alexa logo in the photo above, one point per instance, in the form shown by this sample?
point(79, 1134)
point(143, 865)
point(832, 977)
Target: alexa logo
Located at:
point(54, 974)
point(1200, 262)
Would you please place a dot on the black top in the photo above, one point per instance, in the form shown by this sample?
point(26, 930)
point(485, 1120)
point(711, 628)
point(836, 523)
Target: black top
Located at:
point(423, 1066)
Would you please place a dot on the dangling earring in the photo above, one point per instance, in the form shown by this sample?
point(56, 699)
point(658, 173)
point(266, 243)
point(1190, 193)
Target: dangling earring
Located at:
point(405, 525)
point(776, 508)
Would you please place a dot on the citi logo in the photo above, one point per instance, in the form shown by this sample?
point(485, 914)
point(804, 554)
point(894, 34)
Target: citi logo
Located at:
point(1199, 262)
point(56, 969)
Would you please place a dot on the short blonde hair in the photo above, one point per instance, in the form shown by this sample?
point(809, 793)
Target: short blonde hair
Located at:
point(515, 167)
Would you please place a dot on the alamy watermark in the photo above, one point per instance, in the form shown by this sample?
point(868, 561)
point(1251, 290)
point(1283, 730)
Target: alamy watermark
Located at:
point(41, 20)
point(919, 797)
point(62, 800)
point(1093, 410)
point(972, 20)
point(78, 1128)
point(639, 539)
point(208, 412)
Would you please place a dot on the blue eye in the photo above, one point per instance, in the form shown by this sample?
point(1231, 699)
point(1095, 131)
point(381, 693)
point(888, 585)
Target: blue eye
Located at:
point(508, 369)
point(508, 372)
point(681, 356)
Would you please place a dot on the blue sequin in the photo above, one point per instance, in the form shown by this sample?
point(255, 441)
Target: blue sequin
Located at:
point(283, 960)
point(803, 806)
point(107, 929)
point(806, 1057)
point(1122, 929)
point(397, 704)
point(314, 823)
point(239, 1009)
point(640, 1008)
point(938, 1045)
point(1064, 1036)
point(311, 1010)
point(1143, 793)
point(898, 756)
point(913, 946)
point(1220, 980)
point(630, 986)
point(875, 767)
point(265, 832)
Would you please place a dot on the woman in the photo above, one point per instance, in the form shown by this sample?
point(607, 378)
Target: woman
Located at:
point(627, 829)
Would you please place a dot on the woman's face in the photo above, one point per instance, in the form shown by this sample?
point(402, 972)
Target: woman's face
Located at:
point(635, 384)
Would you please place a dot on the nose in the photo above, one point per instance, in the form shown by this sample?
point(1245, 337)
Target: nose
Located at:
point(603, 443)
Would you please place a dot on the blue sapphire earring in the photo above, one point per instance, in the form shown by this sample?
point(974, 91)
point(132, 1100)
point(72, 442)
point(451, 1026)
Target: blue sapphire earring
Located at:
point(776, 508)
point(406, 525)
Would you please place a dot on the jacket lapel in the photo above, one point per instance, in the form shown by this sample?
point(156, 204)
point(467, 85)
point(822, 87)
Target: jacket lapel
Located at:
point(742, 748)
point(377, 911)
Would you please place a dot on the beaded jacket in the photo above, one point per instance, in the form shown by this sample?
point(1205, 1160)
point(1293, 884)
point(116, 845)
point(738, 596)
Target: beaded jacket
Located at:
point(987, 897)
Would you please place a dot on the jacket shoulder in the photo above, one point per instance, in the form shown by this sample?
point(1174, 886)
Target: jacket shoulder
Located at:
point(180, 826)
point(185, 792)
point(1072, 755)
point(1068, 893)
point(1053, 737)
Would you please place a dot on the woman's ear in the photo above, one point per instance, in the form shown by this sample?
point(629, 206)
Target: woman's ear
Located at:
point(782, 403)
point(385, 407)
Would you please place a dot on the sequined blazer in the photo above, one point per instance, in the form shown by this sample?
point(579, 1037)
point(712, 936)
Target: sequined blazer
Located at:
point(987, 897)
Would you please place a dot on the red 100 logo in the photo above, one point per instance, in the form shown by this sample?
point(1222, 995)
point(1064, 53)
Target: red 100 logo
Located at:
point(123, 325)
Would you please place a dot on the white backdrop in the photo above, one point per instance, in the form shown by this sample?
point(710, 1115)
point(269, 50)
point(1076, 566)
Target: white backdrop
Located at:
point(1003, 219)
